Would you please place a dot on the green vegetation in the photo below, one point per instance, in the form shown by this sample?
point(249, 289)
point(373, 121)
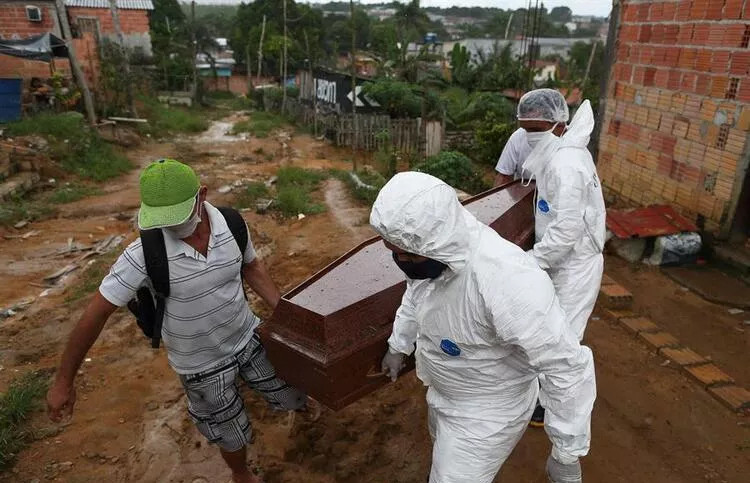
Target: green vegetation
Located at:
point(455, 169)
point(295, 186)
point(17, 209)
point(260, 124)
point(165, 120)
point(71, 192)
point(254, 191)
point(79, 149)
point(22, 397)
point(367, 176)
point(91, 277)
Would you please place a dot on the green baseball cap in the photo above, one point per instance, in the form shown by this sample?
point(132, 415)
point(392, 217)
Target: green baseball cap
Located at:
point(168, 194)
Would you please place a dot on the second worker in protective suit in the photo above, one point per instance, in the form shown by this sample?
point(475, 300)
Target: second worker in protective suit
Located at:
point(486, 323)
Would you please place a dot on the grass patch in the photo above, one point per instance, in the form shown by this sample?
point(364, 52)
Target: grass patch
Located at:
point(293, 200)
point(260, 124)
point(71, 192)
point(165, 120)
point(295, 186)
point(79, 149)
point(254, 191)
point(368, 177)
point(17, 209)
point(22, 397)
point(91, 277)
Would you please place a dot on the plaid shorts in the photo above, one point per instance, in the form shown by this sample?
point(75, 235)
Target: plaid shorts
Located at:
point(214, 400)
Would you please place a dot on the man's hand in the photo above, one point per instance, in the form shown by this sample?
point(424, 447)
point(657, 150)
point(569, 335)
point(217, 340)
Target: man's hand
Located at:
point(392, 364)
point(61, 398)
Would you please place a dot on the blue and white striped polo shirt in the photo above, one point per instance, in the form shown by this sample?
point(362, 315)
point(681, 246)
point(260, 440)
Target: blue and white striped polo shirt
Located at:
point(207, 318)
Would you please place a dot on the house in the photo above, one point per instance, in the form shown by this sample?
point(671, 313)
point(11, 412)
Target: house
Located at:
point(676, 123)
point(90, 22)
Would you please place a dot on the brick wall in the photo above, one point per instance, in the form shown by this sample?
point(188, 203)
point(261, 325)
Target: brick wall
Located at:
point(678, 108)
point(26, 69)
point(131, 21)
point(15, 25)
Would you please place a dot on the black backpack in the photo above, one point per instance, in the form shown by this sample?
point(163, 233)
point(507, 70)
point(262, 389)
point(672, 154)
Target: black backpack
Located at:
point(148, 306)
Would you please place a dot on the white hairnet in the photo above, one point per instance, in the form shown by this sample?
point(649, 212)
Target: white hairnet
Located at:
point(543, 105)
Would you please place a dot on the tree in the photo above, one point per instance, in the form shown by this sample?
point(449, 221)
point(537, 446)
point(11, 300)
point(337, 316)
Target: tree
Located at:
point(462, 72)
point(411, 22)
point(561, 14)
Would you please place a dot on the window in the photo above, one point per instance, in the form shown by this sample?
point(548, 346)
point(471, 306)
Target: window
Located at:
point(33, 13)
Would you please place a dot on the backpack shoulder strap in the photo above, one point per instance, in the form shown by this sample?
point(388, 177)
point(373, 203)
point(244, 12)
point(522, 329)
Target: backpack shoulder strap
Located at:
point(155, 255)
point(237, 226)
point(157, 267)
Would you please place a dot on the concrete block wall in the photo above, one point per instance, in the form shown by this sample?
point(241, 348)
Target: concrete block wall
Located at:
point(678, 108)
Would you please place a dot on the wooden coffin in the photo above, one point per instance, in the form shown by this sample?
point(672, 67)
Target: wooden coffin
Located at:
point(328, 335)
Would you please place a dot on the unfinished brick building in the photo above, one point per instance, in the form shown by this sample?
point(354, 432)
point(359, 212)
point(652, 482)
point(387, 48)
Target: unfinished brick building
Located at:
point(677, 113)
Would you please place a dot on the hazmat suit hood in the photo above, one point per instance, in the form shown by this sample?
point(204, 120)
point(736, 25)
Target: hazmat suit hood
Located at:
point(422, 215)
point(577, 135)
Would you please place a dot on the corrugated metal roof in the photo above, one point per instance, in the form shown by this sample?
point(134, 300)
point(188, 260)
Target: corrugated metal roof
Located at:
point(123, 4)
point(655, 220)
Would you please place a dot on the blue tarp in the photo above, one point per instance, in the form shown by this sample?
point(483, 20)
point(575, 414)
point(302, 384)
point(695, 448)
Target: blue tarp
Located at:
point(10, 100)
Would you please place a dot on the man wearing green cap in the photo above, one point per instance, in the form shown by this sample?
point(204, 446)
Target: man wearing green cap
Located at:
point(208, 328)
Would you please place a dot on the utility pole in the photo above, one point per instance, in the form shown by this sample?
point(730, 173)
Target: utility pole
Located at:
point(588, 66)
point(284, 73)
point(194, 52)
point(507, 27)
point(80, 78)
point(260, 47)
point(311, 78)
point(249, 68)
point(354, 85)
point(126, 56)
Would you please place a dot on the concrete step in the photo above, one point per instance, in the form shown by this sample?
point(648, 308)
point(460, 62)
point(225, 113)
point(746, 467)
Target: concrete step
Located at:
point(736, 256)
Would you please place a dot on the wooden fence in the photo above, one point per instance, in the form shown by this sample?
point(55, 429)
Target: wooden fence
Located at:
point(372, 130)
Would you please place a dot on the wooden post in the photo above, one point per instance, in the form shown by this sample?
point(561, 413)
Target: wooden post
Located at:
point(194, 52)
point(80, 78)
point(126, 56)
point(249, 68)
point(354, 85)
point(588, 66)
point(283, 63)
point(260, 47)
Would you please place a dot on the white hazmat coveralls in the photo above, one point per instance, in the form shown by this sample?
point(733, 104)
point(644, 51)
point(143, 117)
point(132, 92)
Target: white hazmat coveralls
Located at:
point(570, 217)
point(499, 309)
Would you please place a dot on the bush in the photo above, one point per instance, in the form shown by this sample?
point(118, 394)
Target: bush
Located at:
point(490, 137)
point(72, 192)
point(16, 209)
point(455, 169)
point(260, 124)
point(78, 148)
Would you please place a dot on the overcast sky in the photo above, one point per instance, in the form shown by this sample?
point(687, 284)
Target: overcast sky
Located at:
point(579, 7)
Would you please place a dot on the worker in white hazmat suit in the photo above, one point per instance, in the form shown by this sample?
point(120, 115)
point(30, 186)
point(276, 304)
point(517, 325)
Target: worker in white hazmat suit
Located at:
point(486, 323)
point(569, 209)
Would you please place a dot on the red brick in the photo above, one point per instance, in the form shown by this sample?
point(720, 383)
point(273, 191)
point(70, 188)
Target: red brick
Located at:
point(665, 164)
point(646, 55)
point(661, 79)
point(630, 13)
point(675, 78)
point(686, 34)
point(740, 63)
point(616, 296)
point(715, 10)
point(649, 74)
point(657, 34)
point(658, 340)
point(643, 10)
point(683, 10)
point(671, 33)
point(644, 35)
point(688, 82)
point(743, 94)
point(709, 375)
point(734, 397)
point(701, 32)
point(719, 87)
point(733, 35)
point(703, 60)
point(703, 84)
point(682, 356)
point(720, 62)
point(733, 9)
point(716, 35)
point(698, 9)
point(638, 324)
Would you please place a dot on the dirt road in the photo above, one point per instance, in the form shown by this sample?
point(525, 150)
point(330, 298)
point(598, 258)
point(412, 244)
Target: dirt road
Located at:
point(651, 424)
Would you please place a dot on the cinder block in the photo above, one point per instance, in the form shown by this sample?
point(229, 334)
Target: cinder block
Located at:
point(682, 356)
point(709, 375)
point(657, 340)
point(620, 314)
point(734, 397)
point(639, 324)
point(607, 280)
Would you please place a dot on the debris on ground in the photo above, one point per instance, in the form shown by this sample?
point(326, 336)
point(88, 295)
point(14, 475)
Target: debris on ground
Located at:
point(224, 189)
point(53, 278)
point(15, 308)
point(21, 224)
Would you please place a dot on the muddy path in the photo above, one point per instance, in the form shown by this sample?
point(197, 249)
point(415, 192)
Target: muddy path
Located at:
point(651, 424)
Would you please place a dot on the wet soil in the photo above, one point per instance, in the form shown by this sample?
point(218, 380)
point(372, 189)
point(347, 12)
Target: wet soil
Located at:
point(651, 424)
